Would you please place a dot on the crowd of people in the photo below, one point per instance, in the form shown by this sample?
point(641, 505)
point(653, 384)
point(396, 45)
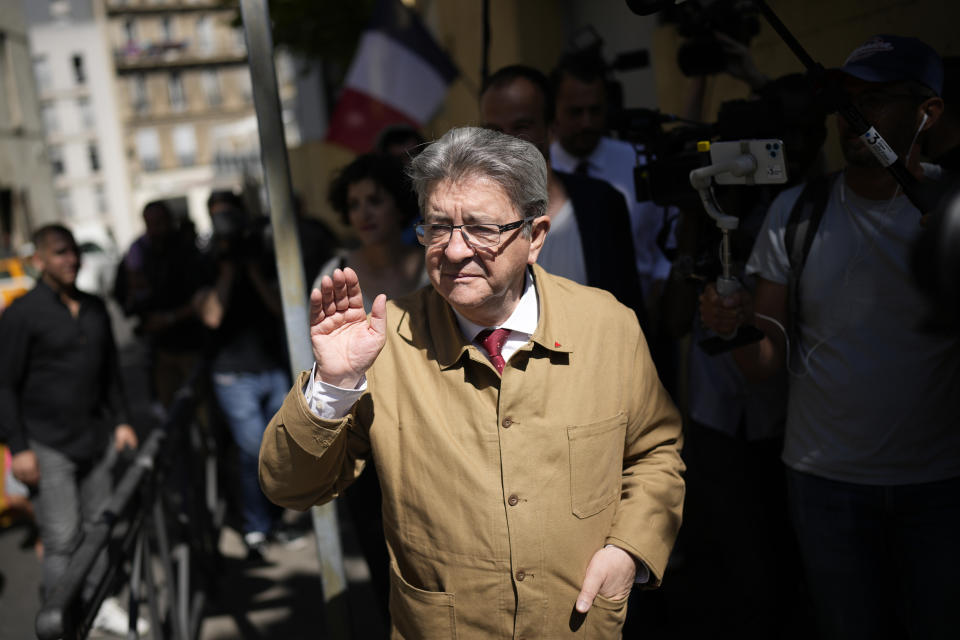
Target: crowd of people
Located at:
point(499, 389)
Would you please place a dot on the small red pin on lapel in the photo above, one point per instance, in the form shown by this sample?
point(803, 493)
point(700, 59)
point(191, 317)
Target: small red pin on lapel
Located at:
point(556, 344)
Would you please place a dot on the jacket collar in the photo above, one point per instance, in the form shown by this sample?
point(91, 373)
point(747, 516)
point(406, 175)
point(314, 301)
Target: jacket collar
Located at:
point(449, 344)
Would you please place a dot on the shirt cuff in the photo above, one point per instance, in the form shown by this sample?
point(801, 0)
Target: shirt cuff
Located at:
point(643, 574)
point(330, 402)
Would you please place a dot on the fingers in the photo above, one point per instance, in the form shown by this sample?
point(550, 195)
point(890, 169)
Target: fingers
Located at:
point(592, 582)
point(316, 306)
point(378, 314)
point(341, 288)
point(125, 436)
point(25, 468)
point(723, 314)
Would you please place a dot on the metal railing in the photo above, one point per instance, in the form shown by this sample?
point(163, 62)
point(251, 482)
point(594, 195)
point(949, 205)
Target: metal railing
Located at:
point(162, 520)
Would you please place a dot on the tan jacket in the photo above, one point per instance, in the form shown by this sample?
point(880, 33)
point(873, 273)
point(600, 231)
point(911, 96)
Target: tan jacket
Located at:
point(497, 492)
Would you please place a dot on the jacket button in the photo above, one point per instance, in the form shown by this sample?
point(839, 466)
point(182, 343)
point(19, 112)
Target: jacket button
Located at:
point(513, 500)
point(507, 422)
point(520, 576)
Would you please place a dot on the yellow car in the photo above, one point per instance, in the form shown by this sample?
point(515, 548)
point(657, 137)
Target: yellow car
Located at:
point(14, 281)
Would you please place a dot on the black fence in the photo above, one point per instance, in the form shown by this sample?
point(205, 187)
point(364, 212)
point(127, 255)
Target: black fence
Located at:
point(158, 534)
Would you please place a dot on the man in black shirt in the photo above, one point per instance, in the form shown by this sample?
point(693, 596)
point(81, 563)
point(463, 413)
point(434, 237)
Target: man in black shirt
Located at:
point(62, 410)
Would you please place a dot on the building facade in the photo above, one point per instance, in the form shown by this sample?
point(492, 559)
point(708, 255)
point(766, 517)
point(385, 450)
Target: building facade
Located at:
point(26, 185)
point(78, 109)
point(186, 101)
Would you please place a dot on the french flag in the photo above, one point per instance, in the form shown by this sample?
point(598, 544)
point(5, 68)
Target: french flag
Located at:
point(399, 75)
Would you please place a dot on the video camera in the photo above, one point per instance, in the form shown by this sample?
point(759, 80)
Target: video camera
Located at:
point(787, 108)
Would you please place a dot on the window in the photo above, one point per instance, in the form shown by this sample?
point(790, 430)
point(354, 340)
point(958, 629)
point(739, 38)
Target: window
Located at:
point(175, 88)
point(185, 145)
point(239, 40)
point(130, 30)
point(51, 124)
point(94, 154)
point(41, 69)
point(87, 120)
point(59, 9)
point(211, 88)
point(148, 149)
point(244, 84)
point(64, 204)
point(79, 72)
point(205, 34)
point(56, 160)
point(139, 95)
point(100, 195)
point(167, 26)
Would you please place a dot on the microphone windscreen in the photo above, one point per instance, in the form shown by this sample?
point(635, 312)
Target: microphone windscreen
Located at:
point(648, 7)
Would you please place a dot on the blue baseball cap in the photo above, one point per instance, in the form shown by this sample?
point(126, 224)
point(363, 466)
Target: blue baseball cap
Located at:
point(887, 58)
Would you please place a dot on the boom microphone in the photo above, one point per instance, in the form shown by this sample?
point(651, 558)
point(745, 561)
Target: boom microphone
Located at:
point(650, 7)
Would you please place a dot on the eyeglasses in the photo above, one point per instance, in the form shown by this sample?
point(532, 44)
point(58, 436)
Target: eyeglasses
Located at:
point(476, 235)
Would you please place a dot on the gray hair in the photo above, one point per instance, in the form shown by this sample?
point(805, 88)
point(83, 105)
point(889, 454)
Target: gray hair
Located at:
point(514, 164)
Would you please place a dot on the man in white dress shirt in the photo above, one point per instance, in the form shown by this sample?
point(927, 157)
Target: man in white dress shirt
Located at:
point(580, 146)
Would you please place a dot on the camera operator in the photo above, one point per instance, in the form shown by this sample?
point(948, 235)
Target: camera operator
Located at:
point(249, 372)
point(581, 146)
point(736, 520)
point(871, 442)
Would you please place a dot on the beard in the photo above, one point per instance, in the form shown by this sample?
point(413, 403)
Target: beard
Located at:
point(856, 152)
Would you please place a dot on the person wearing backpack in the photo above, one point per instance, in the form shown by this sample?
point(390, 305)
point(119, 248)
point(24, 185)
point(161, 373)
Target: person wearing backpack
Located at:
point(871, 444)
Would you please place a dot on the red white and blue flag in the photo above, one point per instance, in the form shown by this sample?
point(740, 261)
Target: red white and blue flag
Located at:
point(398, 75)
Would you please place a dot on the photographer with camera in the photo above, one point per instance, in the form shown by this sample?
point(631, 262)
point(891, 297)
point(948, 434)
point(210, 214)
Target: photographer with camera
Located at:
point(581, 146)
point(249, 373)
point(736, 520)
point(871, 442)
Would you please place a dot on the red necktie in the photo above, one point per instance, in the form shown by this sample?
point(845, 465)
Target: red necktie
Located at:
point(493, 341)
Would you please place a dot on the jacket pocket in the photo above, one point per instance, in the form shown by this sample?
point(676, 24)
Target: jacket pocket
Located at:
point(605, 618)
point(420, 615)
point(596, 464)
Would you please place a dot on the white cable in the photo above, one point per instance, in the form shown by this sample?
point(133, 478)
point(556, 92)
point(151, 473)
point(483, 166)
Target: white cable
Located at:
point(783, 330)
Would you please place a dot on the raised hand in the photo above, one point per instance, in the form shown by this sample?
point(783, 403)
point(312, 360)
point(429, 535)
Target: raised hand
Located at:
point(345, 342)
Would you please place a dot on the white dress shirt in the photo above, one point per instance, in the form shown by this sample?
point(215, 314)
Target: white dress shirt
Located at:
point(614, 161)
point(562, 252)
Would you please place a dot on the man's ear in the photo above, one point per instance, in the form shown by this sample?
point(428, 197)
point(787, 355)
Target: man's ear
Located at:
point(37, 261)
point(933, 107)
point(538, 233)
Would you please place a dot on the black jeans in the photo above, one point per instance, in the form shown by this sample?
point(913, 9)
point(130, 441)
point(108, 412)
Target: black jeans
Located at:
point(882, 561)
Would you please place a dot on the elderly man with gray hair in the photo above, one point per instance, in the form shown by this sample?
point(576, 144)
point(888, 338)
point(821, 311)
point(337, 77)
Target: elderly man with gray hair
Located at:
point(528, 455)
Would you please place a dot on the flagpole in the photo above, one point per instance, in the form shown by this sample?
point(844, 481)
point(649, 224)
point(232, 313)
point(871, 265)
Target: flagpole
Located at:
point(485, 52)
point(276, 171)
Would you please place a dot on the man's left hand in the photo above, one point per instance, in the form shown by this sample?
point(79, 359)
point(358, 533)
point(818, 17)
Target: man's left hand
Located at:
point(124, 437)
point(611, 573)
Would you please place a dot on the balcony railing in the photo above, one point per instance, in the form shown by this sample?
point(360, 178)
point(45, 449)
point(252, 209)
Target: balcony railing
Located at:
point(144, 56)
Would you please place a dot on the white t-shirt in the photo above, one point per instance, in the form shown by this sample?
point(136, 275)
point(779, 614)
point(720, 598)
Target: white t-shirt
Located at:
point(614, 161)
point(872, 398)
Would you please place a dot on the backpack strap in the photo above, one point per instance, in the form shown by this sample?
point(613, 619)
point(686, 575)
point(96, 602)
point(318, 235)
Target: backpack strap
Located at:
point(802, 225)
point(805, 219)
